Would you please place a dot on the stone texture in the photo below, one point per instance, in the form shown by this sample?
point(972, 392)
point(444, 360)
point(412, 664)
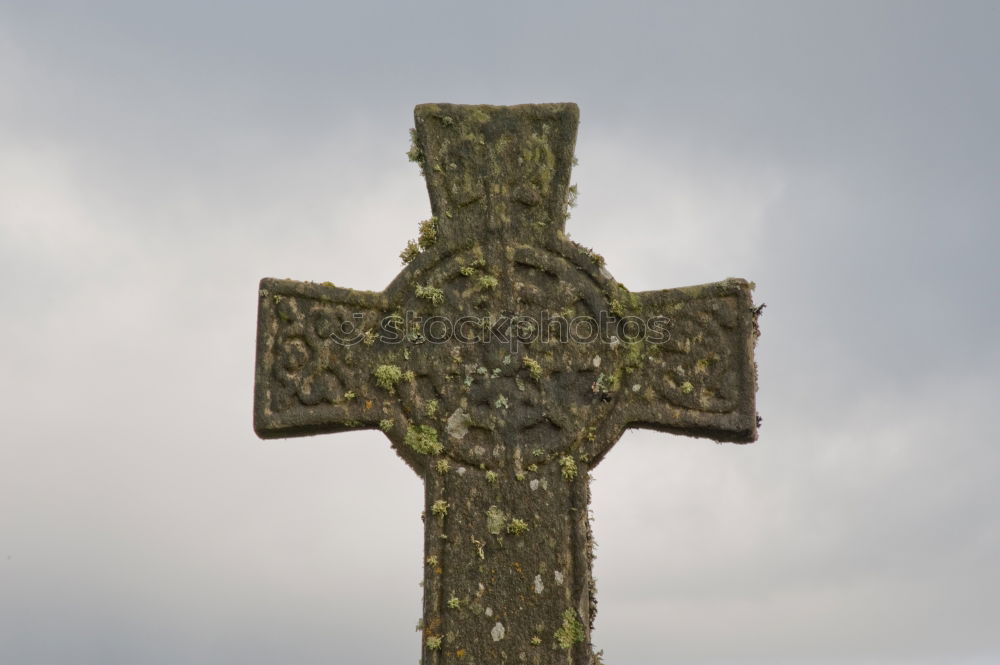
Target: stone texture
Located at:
point(503, 432)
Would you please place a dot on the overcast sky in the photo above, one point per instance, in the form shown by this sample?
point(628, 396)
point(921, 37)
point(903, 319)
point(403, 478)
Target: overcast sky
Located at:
point(158, 159)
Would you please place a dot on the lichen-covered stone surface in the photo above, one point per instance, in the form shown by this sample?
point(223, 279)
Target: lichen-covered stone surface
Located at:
point(503, 363)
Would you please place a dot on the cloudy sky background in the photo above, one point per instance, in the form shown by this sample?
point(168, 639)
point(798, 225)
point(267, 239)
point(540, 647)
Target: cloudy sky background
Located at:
point(158, 159)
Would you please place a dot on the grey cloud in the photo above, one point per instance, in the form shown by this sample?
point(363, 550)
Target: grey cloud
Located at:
point(157, 161)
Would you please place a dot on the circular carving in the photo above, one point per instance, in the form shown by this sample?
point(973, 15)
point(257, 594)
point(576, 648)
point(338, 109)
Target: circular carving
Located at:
point(528, 363)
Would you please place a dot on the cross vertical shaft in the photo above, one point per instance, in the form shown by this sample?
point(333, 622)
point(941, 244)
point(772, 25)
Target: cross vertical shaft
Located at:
point(501, 574)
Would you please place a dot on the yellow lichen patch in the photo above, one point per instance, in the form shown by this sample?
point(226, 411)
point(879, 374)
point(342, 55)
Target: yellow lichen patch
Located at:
point(439, 508)
point(428, 233)
point(423, 439)
point(571, 631)
point(516, 527)
point(534, 368)
point(428, 292)
point(568, 466)
point(387, 376)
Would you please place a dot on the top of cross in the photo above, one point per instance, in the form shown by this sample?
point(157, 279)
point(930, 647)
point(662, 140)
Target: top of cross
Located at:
point(500, 171)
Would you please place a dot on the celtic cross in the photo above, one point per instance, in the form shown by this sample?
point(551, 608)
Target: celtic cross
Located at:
point(503, 363)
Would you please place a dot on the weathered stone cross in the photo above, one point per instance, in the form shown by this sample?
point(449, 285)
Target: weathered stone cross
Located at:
point(503, 363)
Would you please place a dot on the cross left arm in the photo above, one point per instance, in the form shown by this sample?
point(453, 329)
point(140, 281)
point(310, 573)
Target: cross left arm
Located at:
point(314, 368)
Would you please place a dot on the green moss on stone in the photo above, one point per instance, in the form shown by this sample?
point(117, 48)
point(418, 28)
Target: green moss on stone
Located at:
point(495, 520)
point(414, 154)
point(428, 292)
point(410, 252)
point(387, 376)
point(571, 632)
point(423, 439)
point(568, 466)
point(439, 508)
point(479, 115)
point(428, 233)
point(534, 368)
point(517, 526)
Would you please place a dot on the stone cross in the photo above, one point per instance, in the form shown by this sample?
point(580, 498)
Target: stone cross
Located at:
point(503, 363)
